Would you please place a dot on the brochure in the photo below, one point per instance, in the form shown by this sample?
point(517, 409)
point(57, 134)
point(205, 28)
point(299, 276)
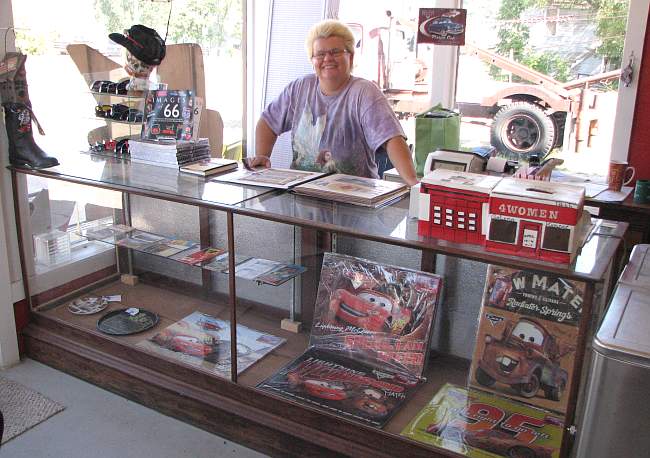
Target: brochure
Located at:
point(220, 262)
point(270, 178)
point(527, 336)
point(254, 267)
point(481, 425)
point(203, 341)
point(280, 274)
point(200, 256)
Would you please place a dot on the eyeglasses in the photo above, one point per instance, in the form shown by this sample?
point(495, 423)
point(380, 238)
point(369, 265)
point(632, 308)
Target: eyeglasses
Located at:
point(334, 52)
point(109, 87)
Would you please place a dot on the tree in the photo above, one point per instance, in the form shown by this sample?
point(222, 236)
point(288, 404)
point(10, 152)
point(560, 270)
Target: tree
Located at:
point(211, 23)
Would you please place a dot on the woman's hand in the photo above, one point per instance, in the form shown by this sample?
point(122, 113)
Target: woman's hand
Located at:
point(256, 161)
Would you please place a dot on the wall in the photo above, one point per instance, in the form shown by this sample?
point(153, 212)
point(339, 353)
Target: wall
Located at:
point(640, 137)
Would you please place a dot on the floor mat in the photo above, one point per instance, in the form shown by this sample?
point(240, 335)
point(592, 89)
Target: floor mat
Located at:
point(23, 408)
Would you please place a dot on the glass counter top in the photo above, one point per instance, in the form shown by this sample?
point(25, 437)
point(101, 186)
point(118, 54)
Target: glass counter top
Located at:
point(392, 224)
point(388, 224)
point(147, 179)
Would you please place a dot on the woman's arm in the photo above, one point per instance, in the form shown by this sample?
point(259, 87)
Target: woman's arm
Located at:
point(264, 140)
point(400, 156)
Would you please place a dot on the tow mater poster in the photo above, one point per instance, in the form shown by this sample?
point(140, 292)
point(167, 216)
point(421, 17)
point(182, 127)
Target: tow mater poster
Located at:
point(369, 341)
point(527, 336)
point(480, 425)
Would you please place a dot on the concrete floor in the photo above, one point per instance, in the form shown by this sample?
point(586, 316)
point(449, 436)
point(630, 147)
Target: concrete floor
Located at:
point(103, 425)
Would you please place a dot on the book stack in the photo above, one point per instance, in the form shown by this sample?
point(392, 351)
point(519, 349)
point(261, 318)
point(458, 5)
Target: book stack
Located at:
point(209, 166)
point(367, 192)
point(169, 154)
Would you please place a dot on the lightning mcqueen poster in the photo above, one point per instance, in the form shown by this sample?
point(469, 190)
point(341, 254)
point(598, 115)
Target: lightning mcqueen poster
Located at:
point(369, 341)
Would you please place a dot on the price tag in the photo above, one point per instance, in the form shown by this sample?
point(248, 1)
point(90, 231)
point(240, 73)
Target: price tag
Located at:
point(133, 311)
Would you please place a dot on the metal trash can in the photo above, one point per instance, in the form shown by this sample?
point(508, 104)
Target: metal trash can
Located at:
point(617, 402)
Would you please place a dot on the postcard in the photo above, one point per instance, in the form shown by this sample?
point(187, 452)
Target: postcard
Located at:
point(280, 274)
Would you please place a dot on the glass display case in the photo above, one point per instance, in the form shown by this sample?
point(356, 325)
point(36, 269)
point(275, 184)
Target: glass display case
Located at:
point(178, 273)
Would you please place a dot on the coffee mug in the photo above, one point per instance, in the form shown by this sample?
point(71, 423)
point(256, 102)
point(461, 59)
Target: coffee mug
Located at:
point(617, 175)
point(642, 192)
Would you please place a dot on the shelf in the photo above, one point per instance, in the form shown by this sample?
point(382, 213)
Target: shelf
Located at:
point(120, 96)
point(117, 121)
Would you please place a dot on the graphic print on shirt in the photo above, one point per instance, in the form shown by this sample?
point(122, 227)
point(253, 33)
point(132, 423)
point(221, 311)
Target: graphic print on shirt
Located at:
point(306, 141)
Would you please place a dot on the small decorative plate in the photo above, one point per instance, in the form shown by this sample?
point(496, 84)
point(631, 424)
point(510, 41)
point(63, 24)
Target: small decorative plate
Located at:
point(88, 305)
point(124, 322)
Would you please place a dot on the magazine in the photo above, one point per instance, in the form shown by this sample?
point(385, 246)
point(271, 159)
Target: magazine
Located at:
point(210, 166)
point(342, 385)
point(369, 340)
point(203, 341)
point(280, 274)
point(199, 256)
point(270, 178)
point(527, 336)
point(481, 425)
point(367, 192)
point(104, 232)
point(181, 244)
point(171, 115)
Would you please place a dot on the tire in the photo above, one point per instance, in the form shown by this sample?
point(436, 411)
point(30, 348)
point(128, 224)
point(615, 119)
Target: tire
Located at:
point(554, 393)
point(530, 389)
point(521, 452)
point(483, 378)
point(522, 129)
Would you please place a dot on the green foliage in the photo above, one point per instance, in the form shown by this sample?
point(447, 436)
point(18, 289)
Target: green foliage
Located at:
point(30, 44)
point(548, 63)
point(213, 24)
point(610, 28)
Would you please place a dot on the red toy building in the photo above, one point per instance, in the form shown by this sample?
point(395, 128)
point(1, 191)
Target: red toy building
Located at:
point(454, 205)
point(535, 219)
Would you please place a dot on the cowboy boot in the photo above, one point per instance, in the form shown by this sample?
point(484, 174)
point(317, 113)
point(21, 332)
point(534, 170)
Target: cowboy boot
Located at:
point(23, 151)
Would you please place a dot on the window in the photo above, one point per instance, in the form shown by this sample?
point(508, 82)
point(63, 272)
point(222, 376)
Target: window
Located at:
point(502, 230)
point(556, 238)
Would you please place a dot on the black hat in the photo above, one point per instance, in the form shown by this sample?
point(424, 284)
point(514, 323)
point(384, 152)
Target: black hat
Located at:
point(144, 43)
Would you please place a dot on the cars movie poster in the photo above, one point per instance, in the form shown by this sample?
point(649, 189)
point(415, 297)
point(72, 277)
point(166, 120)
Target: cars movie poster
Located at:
point(369, 340)
point(203, 341)
point(527, 336)
point(375, 313)
point(481, 425)
point(343, 386)
point(442, 26)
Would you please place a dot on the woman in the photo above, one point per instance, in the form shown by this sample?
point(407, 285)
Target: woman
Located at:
point(338, 122)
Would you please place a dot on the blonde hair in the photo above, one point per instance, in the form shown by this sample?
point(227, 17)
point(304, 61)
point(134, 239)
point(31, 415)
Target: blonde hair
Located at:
point(326, 29)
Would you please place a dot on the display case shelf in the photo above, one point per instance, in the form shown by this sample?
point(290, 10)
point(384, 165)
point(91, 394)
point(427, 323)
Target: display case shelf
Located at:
point(243, 220)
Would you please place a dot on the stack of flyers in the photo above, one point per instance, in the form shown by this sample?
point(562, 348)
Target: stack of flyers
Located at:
point(280, 274)
point(220, 263)
point(200, 256)
point(139, 240)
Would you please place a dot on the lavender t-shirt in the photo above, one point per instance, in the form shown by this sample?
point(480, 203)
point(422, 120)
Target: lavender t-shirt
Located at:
point(338, 133)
